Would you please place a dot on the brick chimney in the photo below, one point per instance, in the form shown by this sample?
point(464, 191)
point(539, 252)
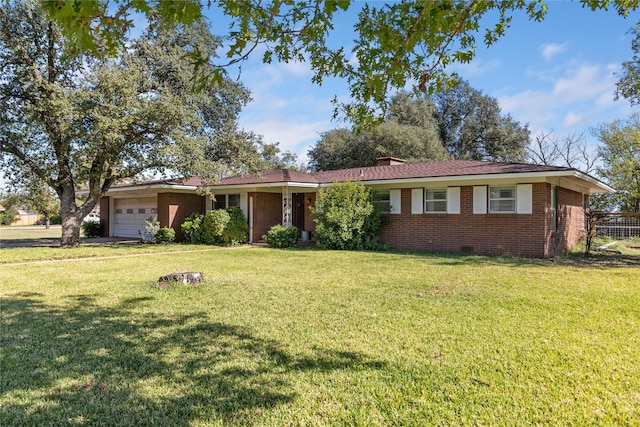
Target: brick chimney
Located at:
point(389, 161)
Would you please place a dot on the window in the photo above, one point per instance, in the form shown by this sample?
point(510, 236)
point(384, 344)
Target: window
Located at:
point(118, 211)
point(154, 210)
point(233, 201)
point(382, 199)
point(129, 211)
point(502, 199)
point(436, 201)
point(141, 210)
point(226, 201)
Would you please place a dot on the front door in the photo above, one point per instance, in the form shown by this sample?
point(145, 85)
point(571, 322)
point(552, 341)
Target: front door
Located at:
point(298, 210)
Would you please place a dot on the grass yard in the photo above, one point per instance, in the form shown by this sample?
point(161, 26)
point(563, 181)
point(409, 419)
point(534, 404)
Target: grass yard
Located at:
point(37, 243)
point(313, 338)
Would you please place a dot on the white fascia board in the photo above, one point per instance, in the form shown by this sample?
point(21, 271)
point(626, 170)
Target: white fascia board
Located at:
point(595, 182)
point(255, 187)
point(152, 187)
point(487, 178)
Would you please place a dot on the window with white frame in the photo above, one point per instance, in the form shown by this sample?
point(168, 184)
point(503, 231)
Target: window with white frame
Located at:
point(435, 201)
point(502, 199)
point(225, 201)
point(382, 199)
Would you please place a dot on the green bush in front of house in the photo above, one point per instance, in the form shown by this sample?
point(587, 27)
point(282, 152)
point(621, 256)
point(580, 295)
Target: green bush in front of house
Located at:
point(346, 218)
point(192, 228)
point(213, 226)
point(218, 227)
point(281, 237)
point(237, 229)
point(165, 235)
point(91, 229)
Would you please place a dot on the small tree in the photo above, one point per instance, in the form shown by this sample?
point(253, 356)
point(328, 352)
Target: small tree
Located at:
point(620, 151)
point(347, 218)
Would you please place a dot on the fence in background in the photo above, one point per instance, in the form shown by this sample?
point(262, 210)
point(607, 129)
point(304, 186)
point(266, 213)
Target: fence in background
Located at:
point(618, 225)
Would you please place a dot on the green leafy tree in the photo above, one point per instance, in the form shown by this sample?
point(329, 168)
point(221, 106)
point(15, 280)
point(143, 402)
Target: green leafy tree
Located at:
point(346, 217)
point(275, 158)
point(11, 202)
point(409, 132)
point(39, 197)
point(74, 121)
point(629, 84)
point(459, 123)
point(620, 152)
point(471, 126)
point(396, 44)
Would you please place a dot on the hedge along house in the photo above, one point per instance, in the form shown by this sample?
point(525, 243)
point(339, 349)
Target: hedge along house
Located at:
point(459, 206)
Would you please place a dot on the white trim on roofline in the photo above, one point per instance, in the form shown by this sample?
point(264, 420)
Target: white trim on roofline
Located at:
point(542, 176)
point(153, 187)
point(512, 176)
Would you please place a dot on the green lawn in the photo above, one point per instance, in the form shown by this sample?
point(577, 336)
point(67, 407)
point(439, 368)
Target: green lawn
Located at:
point(319, 338)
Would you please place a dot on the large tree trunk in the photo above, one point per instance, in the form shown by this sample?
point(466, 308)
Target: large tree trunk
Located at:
point(70, 230)
point(72, 214)
point(71, 217)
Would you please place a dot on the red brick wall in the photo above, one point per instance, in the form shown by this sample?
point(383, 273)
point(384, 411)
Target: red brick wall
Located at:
point(492, 234)
point(174, 208)
point(309, 223)
point(104, 215)
point(267, 212)
point(571, 220)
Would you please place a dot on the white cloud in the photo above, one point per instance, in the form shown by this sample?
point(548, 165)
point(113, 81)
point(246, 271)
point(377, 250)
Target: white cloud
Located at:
point(477, 67)
point(583, 82)
point(293, 135)
point(571, 119)
point(570, 99)
point(550, 50)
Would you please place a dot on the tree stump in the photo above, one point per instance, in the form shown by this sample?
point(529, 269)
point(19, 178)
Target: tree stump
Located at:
point(184, 277)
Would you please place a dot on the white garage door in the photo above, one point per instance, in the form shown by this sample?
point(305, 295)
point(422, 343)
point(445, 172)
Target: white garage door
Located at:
point(130, 214)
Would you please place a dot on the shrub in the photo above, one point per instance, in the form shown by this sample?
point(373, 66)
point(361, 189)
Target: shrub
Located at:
point(5, 219)
point(217, 227)
point(192, 228)
point(347, 218)
point(280, 236)
point(213, 226)
point(55, 219)
point(91, 229)
point(165, 235)
point(237, 228)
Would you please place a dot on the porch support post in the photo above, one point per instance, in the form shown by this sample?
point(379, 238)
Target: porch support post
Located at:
point(286, 207)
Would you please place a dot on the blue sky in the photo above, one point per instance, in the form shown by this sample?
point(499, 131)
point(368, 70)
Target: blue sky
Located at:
point(555, 75)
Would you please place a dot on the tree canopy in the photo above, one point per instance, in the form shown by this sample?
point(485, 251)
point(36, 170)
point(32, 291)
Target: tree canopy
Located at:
point(620, 152)
point(409, 132)
point(396, 44)
point(460, 124)
point(471, 126)
point(77, 122)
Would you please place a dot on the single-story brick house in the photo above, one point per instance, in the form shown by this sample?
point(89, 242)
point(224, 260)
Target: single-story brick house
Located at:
point(453, 206)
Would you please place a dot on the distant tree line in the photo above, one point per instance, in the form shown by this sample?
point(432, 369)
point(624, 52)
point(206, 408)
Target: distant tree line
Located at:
point(458, 123)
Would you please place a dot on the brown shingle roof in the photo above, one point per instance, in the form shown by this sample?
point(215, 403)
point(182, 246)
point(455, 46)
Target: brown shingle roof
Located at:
point(402, 171)
point(373, 173)
point(270, 176)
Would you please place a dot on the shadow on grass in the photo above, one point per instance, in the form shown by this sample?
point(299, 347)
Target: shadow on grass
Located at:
point(90, 364)
point(601, 260)
point(597, 260)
